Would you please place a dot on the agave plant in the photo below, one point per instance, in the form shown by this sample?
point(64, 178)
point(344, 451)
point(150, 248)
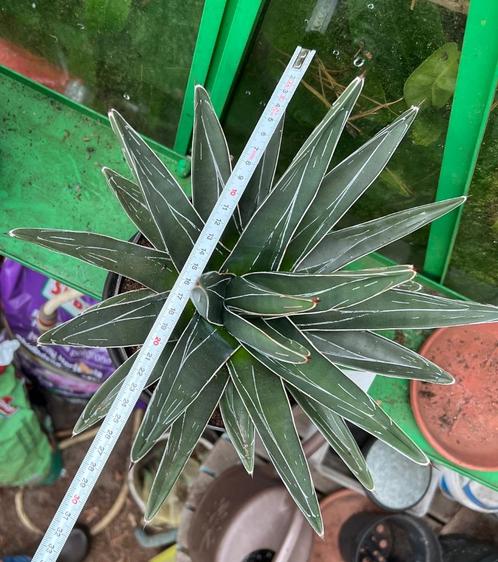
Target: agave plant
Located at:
point(277, 317)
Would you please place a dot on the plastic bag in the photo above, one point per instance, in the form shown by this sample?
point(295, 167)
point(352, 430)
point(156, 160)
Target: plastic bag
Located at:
point(75, 372)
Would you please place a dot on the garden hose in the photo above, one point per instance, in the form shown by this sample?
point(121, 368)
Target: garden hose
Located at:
point(118, 502)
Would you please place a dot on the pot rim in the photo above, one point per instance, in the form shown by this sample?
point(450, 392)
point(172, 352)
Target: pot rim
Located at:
point(426, 539)
point(421, 423)
point(370, 493)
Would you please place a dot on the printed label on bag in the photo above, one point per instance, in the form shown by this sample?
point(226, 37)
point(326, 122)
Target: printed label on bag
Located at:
point(53, 288)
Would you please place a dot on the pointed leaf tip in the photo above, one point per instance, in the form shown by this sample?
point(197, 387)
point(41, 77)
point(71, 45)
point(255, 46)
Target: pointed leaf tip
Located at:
point(199, 90)
point(338, 248)
point(44, 339)
point(114, 118)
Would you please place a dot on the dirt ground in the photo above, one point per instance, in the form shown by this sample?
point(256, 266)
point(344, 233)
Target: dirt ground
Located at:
point(116, 543)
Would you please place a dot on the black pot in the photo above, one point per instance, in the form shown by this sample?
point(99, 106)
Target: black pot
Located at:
point(395, 538)
point(112, 287)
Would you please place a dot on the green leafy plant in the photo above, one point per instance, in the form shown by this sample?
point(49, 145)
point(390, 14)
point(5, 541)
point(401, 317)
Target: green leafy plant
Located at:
point(276, 316)
point(433, 82)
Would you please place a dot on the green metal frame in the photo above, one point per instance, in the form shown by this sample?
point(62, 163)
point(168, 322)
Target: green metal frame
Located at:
point(239, 22)
point(475, 89)
point(81, 109)
point(224, 32)
point(51, 154)
point(209, 29)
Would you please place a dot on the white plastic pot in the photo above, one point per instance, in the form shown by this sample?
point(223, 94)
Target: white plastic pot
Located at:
point(467, 492)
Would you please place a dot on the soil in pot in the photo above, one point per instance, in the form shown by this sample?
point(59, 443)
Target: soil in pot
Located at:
point(370, 537)
point(461, 421)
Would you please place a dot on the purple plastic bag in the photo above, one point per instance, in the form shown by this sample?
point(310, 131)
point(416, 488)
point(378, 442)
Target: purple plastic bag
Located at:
point(69, 371)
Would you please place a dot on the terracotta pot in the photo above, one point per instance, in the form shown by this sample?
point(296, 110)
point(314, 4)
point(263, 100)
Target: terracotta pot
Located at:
point(461, 421)
point(248, 518)
point(336, 510)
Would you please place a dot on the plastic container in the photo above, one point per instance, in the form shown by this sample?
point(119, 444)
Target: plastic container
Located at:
point(467, 492)
point(242, 518)
point(388, 538)
point(400, 484)
point(72, 372)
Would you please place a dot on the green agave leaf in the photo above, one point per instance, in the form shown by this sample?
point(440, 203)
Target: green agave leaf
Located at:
point(265, 398)
point(183, 437)
point(261, 181)
point(100, 403)
point(238, 425)
point(198, 355)
point(328, 385)
point(401, 309)
point(260, 336)
point(149, 267)
point(243, 296)
point(338, 436)
point(120, 321)
point(266, 236)
point(373, 353)
point(208, 296)
point(211, 166)
point(345, 101)
point(132, 200)
point(336, 290)
point(341, 247)
point(176, 218)
point(344, 185)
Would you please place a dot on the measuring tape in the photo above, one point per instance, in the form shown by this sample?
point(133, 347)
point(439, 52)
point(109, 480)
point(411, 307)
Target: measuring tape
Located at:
point(113, 424)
